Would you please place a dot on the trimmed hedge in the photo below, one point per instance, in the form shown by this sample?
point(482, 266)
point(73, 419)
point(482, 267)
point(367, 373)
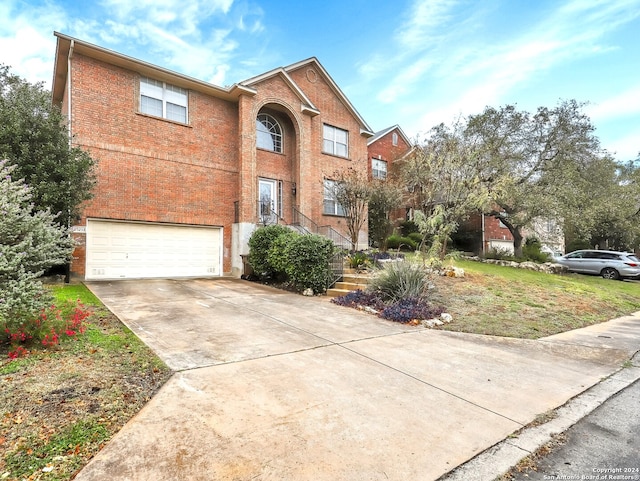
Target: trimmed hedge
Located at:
point(276, 252)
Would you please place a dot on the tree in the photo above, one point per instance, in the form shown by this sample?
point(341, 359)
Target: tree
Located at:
point(609, 213)
point(34, 137)
point(30, 242)
point(386, 195)
point(352, 190)
point(530, 161)
point(444, 174)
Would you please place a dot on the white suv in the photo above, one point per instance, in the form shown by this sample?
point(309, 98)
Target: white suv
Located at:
point(608, 264)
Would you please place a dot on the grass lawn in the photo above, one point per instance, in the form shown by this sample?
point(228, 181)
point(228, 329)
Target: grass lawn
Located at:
point(60, 405)
point(506, 301)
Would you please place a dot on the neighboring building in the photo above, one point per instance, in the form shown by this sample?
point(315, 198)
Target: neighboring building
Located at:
point(549, 233)
point(186, 170)
point(385, 148)
point(481, 233)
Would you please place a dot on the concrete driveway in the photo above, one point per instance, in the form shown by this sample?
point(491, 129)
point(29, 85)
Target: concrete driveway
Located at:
point(276, 386)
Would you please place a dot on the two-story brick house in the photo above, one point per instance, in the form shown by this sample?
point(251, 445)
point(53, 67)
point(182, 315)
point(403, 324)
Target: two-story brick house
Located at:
point(186, 170)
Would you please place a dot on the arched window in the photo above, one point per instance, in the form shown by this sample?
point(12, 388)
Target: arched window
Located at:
point(268, 133)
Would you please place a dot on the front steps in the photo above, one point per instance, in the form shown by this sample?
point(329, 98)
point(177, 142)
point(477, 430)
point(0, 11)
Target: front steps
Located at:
point(351, 281)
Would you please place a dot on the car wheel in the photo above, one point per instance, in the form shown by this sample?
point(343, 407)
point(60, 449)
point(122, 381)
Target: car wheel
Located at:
point(610, 273)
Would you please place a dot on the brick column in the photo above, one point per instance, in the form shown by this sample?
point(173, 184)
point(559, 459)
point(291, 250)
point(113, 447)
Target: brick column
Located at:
point(247, 159)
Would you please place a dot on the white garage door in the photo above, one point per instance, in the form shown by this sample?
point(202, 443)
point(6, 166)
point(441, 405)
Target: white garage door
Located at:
point(122, 250)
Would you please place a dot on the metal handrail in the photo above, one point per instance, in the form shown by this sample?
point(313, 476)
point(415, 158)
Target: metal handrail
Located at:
point(337, 238)
point(267, 215)
point(299, 219)
point(336, 268)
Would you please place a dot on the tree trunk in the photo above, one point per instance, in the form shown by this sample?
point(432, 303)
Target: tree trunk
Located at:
point(517, 241)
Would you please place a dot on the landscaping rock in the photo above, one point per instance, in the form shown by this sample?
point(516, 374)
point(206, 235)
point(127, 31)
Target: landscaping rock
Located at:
point(452, 271)
point(446, 317)
point(548, 267)
point(308, 292)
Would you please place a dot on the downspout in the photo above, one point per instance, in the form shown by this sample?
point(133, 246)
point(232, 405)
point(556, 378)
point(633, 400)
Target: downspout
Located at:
point(483, 247)
point(67, 276)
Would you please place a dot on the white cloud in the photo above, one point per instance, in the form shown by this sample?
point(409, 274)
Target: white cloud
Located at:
point(624, 104)
point(27, 44)
point(625, 147)
point(469, 73)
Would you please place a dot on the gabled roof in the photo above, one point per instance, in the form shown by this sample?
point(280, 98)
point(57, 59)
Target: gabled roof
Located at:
point(307, 104)
point(67, 46)
point(312, 61)
point(378, 135)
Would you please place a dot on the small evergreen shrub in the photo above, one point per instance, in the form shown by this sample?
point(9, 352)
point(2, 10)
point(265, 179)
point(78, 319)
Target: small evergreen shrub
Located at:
point(308, 262)
point(531, 251)
point(30, 242)
point(358, 260)
point(499, 254)
point(416, 237)
point(259, 245)
point(408, 227)
point(400, 280)
point(404, 243)
point(277, 254)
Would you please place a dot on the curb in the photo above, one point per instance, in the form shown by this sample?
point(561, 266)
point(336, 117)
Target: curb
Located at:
point(500, 458)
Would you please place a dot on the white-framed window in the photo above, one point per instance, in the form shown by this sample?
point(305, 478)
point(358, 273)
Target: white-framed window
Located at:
point(268, 133)
point(394, 139)
point(331, 205)
point(164, 100)
point(335, 141)
point(379, 169)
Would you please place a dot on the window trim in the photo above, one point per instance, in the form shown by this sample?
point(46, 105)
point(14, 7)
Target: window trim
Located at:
point(277, 135)
point(374, 170)
point(338, 210)
point(334, 130)
point(169, 93)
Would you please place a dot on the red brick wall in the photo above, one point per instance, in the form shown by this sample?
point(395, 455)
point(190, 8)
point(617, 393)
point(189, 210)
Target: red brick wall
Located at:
point(149, 169)
point(384, 149)
point(320, 165)
point(493, 230)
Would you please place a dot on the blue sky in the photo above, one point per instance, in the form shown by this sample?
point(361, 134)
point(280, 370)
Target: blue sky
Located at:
point(415, 63)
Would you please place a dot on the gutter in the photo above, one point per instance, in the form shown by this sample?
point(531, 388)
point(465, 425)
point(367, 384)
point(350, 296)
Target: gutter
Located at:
point(69, 76)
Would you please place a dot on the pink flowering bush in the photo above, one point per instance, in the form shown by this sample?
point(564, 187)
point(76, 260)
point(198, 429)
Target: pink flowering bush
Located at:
point(48, 328)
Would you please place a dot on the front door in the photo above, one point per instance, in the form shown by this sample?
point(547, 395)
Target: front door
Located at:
point(267, 201)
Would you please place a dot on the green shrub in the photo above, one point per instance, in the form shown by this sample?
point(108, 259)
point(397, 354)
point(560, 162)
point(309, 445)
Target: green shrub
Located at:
point(578, 244)
point(277, 255)
point(416, 237)
point(400, 280)
point(499, 254)
point(259, 245)
point(531, 251)
point(403, 243)
point(30, 242)
point(408, 227)
point(308, 262)
point(358, 260)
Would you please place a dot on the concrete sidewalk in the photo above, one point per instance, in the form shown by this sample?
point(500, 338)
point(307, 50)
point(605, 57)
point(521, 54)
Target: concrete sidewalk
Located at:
point(272, 385)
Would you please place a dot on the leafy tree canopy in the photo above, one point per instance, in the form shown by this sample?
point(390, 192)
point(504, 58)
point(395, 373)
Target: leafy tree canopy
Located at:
point(35, 138)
